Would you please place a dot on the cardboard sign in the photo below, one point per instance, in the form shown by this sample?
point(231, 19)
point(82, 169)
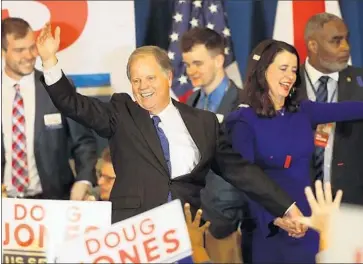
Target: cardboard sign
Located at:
point(346, 233)
point(33, 229)
point(156, 236)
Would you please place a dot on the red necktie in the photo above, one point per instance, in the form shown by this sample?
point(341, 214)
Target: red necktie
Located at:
point(20, 177)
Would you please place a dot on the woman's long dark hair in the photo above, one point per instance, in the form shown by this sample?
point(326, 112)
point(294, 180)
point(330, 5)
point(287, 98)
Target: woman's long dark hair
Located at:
point(256, 90)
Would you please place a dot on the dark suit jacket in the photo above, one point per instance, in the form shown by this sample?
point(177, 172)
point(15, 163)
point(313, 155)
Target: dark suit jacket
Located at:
point(228, 103)
point(223, 205)
point(51, 149)
point(347, 161)
point(142, 180)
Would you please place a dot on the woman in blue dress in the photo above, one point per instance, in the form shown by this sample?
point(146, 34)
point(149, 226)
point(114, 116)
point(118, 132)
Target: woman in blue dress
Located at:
point(276, 131)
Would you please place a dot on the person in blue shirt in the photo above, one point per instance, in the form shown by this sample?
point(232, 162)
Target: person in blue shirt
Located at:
point(203, 54)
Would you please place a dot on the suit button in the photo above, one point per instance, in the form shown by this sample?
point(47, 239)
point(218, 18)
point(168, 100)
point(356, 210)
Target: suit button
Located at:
point(170, 182)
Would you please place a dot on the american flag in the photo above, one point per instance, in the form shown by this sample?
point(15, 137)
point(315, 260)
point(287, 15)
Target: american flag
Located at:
point(189, 14)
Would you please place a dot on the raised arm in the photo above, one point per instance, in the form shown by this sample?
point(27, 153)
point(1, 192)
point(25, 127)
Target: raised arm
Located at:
point(322, 113)
point(88, 111)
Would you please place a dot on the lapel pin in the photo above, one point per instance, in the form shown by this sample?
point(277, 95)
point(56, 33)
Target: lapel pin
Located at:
point(349, 79)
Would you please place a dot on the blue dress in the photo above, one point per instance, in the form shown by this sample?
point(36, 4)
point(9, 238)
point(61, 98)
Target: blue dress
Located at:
point(268, 142)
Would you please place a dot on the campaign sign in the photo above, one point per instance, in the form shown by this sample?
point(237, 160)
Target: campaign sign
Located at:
point(156, 236)
point(33, 229)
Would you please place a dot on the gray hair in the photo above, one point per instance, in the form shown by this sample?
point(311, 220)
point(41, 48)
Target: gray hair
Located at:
point(159, 54)
point(317, 22)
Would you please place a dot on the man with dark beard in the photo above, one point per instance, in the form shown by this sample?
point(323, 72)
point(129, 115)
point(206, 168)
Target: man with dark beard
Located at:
point(328, 78)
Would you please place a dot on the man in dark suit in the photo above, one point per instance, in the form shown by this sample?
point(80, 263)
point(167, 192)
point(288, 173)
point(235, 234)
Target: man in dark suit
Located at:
point(36, 138)
point(203, 55)
point(328, 78)
point(160, 149)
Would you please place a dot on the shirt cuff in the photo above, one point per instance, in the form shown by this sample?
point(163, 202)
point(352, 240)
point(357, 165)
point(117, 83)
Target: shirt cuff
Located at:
point(288, 209)
point(87, 182)
point(53, 74)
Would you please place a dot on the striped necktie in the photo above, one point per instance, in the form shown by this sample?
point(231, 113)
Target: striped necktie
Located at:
point(321, 96)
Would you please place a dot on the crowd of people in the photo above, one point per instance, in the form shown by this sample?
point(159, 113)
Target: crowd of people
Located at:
point(247, 158)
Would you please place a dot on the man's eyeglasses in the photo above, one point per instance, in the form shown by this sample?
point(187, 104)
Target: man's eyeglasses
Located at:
point(105, 176)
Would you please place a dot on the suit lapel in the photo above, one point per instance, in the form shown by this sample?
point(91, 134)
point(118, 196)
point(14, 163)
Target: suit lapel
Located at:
point(192, 123)
point(195, 97)
point(344, 86)
point(228, 99)
point(303, 94)
point(41, 97)
point(146, 127)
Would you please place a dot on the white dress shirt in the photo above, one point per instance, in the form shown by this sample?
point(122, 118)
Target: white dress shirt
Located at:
point(27, 91)
point(184, 154)
point(314, 76)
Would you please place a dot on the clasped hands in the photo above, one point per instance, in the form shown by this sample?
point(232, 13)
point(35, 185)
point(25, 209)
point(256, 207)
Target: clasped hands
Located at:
point(290, 223)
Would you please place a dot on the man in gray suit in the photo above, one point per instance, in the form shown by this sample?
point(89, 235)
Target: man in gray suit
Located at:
point(203, 54)
point(36, 138)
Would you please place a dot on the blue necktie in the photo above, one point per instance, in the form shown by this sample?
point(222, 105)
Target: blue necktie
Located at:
point(164, 145)
point(321, 96)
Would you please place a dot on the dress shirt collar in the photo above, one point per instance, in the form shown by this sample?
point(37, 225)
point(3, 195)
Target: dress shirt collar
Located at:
point(216, 96)
point(315, 75)
point(9, 82)
point(167, 112)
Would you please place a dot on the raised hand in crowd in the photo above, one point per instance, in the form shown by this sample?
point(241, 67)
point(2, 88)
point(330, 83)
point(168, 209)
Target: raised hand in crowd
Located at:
point(48, 45)
point(196, 234)
point(322, 208)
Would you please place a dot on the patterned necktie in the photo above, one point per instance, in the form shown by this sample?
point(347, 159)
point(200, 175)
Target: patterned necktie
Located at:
point(20, 177)
point(321, 96)
point(164, 145)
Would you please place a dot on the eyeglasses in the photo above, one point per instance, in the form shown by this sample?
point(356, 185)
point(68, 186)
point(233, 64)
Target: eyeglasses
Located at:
point(105, 176)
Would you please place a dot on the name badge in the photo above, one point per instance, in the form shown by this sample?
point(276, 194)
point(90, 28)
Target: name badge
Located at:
point(53, 121)
point(322, 134)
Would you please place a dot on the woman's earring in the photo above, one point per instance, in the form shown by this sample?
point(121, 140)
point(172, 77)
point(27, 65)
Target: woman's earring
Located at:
point(292, 91)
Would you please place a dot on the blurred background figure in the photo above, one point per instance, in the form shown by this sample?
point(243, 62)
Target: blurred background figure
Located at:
point(106, 178)
point(36, 139)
